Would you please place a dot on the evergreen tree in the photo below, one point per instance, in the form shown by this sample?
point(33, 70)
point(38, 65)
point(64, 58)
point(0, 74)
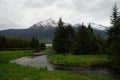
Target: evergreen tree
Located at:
point(114, 38)
point(70, 36)
point(3, 43)
point(114, 18)
point(59, 38)
point(77, 46)
point(85, 41)
point(35, 44)
point(92, 41)
point(101, 43)
point(115, 14)
point(42, 46)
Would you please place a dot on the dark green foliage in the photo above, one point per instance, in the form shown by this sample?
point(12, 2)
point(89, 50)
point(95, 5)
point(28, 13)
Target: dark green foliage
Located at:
point(102, 44)
point(35, 44)
point(14, 43)
point(3, 43)
point(115, 14)
point(85, 41)
point(77, 47)
point(17, 43)
point(114, 21)
point(59, 38)
point(42, 46)
point(69, 38)
point(64, 38)
point(92, 42)
point(10, 43)
point(114, 38)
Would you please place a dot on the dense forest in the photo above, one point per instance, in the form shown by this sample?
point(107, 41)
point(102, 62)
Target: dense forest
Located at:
point(84, 41)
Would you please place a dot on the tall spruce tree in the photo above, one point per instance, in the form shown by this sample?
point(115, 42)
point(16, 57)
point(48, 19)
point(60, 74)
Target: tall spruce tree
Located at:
point(77, 46)
point(85, 39)
point(69, 38)
point(114, 38)
point(93, 44)
point(115, 14)
point(114, 17)
point(59, 38)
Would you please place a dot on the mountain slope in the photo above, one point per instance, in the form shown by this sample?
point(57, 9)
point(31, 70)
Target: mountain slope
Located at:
point(44, 30)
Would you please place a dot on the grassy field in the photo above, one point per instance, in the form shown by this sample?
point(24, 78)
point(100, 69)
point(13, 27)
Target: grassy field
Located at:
point(6, 56)
point(79, 60)
point(12, 71)
point(47, 50)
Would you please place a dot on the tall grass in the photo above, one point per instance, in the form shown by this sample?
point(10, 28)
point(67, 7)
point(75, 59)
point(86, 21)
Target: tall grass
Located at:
point(13, 71)
point(80, 60)
point(6, 56)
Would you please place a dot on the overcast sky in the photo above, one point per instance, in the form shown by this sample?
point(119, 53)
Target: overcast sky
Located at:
point(24, 13)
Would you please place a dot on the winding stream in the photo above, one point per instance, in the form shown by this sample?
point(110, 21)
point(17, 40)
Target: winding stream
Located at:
point(35, 61)
point(41, 60)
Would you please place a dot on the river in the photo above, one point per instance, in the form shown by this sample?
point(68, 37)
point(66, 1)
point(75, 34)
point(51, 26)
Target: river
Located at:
point(41, 60)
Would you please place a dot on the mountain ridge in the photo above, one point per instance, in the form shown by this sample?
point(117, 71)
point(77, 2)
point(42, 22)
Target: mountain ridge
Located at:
point(44, 30)
point(52, 23)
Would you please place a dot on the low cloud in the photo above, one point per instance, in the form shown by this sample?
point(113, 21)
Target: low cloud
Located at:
point(24, 13)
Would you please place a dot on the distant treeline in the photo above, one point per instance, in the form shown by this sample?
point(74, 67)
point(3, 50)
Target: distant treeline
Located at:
point(14, 43)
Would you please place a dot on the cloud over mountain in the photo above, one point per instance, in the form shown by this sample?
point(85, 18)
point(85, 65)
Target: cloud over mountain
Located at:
point(23, 13)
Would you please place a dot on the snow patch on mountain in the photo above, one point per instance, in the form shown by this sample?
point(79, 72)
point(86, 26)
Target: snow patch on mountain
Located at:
point(94, 26)
point(98, 26)
point(47, 24)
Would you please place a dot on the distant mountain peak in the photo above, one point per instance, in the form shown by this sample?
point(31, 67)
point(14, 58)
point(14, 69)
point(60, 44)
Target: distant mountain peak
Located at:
point(98, 26)
point(44, 30)
point(94, 26)
point(50, 23)
point(45, 24)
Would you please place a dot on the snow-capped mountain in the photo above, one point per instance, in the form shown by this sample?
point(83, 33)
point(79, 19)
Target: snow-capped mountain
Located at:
point(94, 26)
point(47, 24)
point(44, 30)
point(98, 26)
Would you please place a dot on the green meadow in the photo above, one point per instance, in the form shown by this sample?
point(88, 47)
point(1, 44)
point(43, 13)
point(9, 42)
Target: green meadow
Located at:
point(79, 60)
point(12, 71)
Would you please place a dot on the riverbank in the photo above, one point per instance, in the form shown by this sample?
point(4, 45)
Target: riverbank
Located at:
point(81, 64)
point(79, 60)
point(13, 71)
